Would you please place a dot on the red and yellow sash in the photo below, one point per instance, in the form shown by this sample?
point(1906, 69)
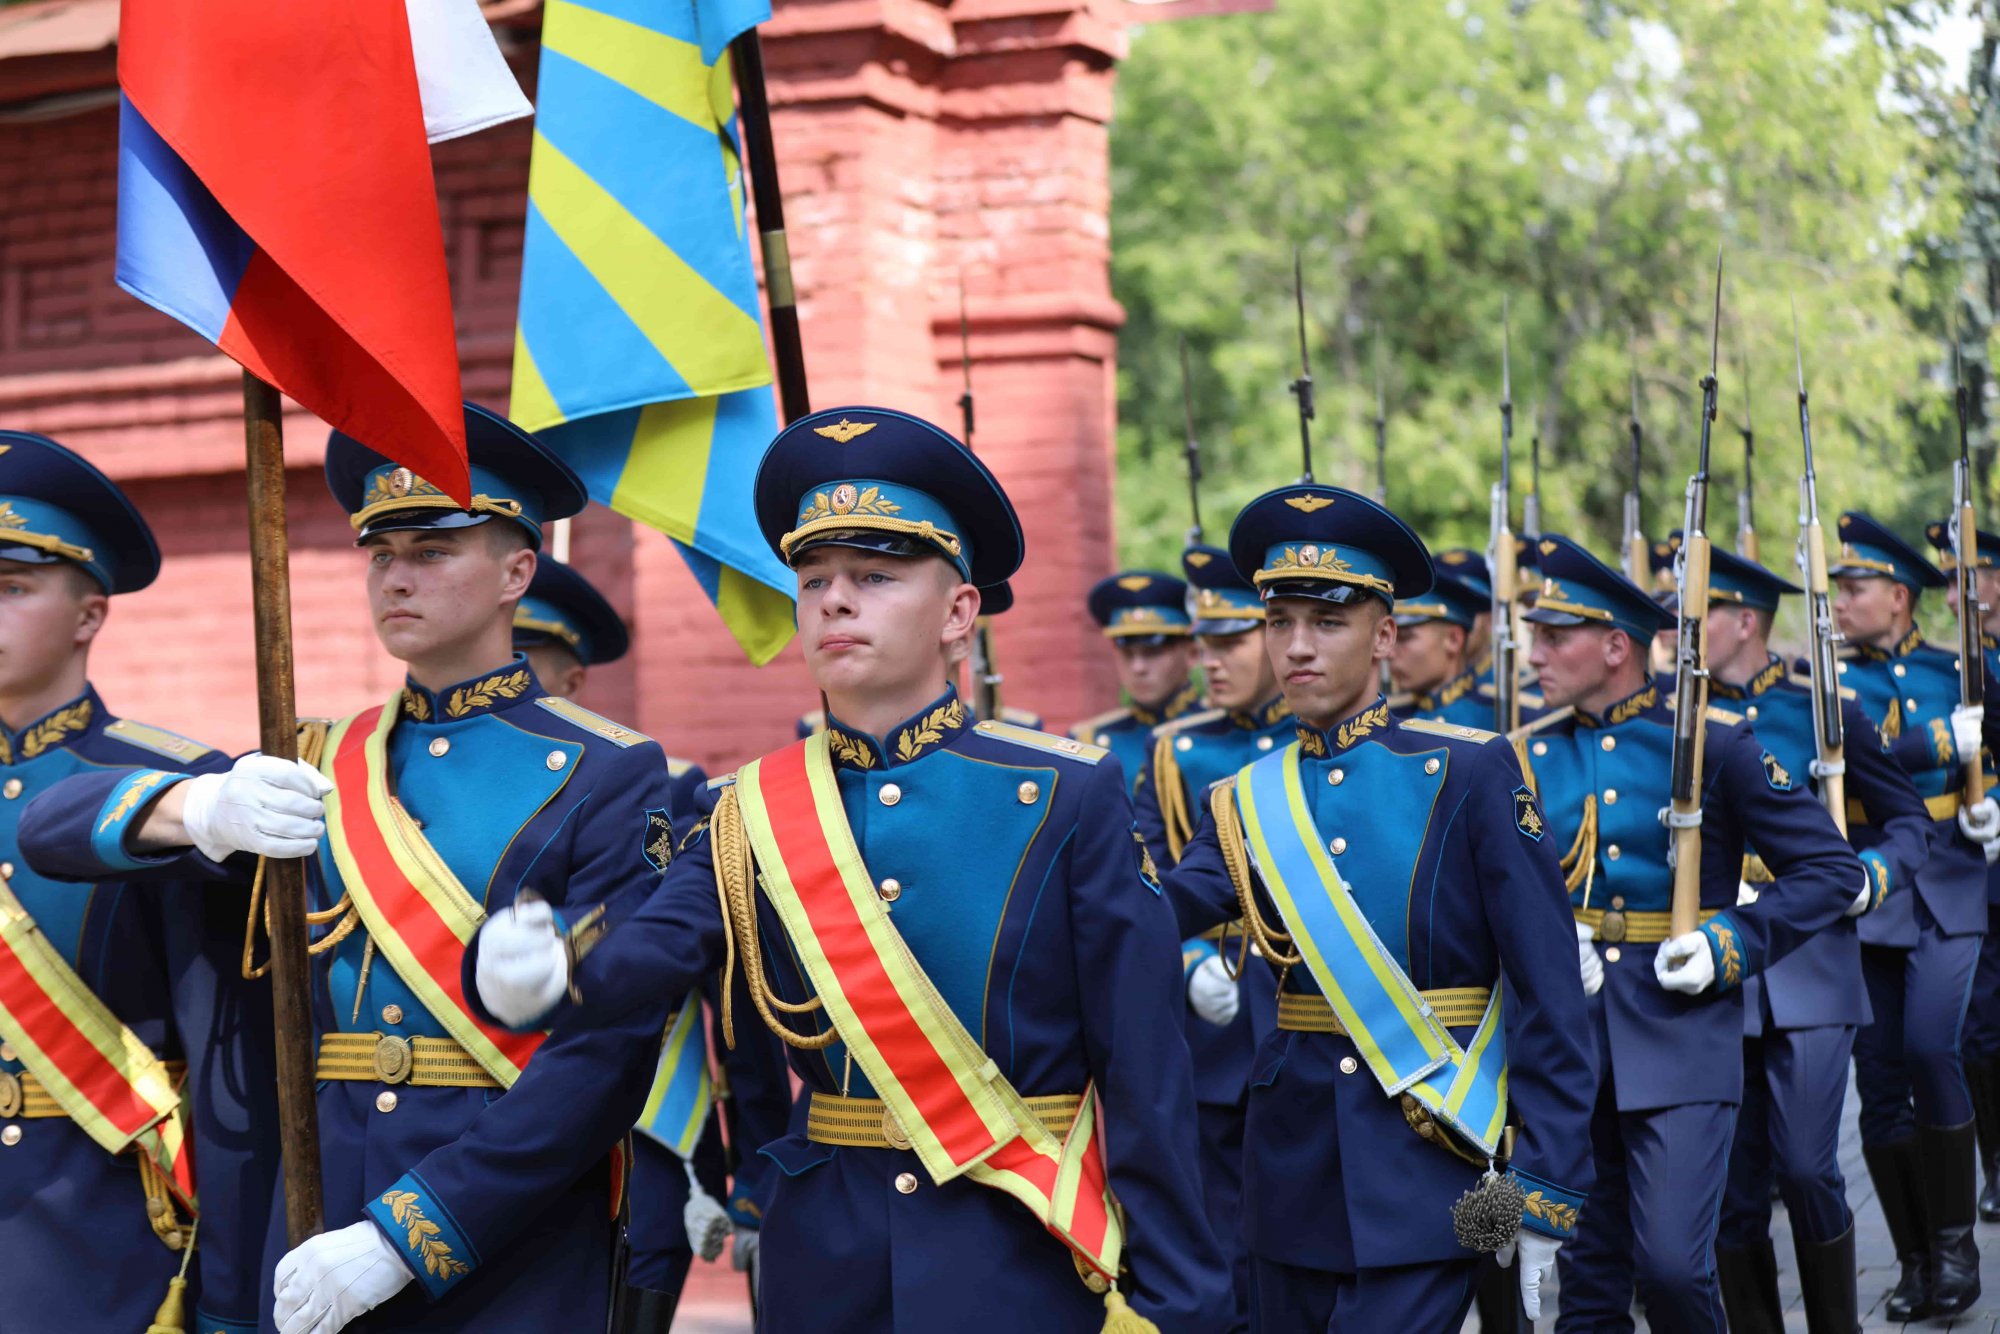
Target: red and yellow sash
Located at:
point(962, 1116)
point(416, 910)
point(98, 1071)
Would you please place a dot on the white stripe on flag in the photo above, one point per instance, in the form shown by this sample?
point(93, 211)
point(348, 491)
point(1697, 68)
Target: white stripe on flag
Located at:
point(461, 75)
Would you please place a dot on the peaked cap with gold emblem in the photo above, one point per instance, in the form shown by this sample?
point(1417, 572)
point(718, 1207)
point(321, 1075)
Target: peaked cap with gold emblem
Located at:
point(514, 476)
point(1868, 549)
point(55, 506)
point(885, 481)
point(1329, 543)
point(1140, 606)
point(564, 608)
point(1220, 601)
point(1579, 589)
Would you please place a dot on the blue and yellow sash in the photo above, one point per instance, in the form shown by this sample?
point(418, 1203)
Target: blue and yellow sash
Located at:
point(683, 1091)
point(1391, 1025)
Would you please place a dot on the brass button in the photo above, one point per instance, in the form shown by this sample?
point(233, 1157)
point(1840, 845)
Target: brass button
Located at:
point(1751, 713)
point(890, 889)
point(10, 1094)
point(1336, 776)
point(1612, 852)
point(1841, 668)
point(906, 1182)
point(385, 1101)
point(1348, 1065)
point(890, 794)
point(1609, 743)
point(6, 870)
point(1104, 738)
point(1263, 743)
point(1029, 792)
point(1910, 704)
point(1610, 796)
point(1183, 743)
point(1611, 928)
point(1430, 766)
point(440, 746)
point(556, 760)
point(6, 1051)
point(10, 1136)
point(1540, 748)
point(1338, 846)
point(1617, 900)
point(12, 789)
point(1613, 955)
point(392, 1014)
point(1898, 669)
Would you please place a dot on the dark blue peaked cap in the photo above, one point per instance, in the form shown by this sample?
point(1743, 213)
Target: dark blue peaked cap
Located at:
point(1987, 552)
point(1579, 589)
point(1140, 604)
point(886, 481)
point(55, 506)
point(1867, 549)
point(514, 476)
point(562, 607)
point(1734, 579)
point(1220, 601)
point(1450, 599)
point(1330, 543)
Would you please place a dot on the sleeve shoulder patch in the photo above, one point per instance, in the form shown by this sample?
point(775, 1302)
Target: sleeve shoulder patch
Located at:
point(1776, 774)
point(596, 724)
point(658, 845)
point(1034, 740)
point(1147, 870)
point(1431, 727)
point(1528, 815)
point(157, 741)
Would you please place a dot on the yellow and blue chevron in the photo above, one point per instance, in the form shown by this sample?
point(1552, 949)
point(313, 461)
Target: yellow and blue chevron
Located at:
point(677, 1108)
point(639, 353)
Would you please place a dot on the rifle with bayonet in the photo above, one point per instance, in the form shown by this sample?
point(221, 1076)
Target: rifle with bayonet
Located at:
point(1302, 388)
point(1632, 544)
point(1381, 428)
point(1822, 634)
point(986, 676)
point(1691, 662)
point(1500, 552)
point(1965, 551)
point(1746, 501)
point(1531, 508)
point(1192, 454)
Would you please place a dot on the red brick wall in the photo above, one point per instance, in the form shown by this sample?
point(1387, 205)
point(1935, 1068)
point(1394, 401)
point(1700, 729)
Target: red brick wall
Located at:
point(915, 143)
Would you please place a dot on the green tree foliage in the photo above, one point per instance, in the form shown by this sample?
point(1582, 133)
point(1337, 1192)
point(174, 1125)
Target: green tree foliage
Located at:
point(1584, 160)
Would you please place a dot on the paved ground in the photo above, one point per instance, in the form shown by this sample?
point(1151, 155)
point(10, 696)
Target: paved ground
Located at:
point(715, 1303)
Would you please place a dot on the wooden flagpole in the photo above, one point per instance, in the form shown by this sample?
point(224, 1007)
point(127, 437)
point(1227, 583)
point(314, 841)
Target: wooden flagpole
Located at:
point(746, 53)
point(284, 879)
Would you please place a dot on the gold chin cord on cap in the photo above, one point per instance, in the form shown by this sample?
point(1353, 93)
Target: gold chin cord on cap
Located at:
point(481, 504)
point(923, 531)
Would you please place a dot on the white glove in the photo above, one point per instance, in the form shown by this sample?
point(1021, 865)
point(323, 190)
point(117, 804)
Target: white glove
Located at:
point(1864, 896)
point(743, 1250)
point(1538, 1259)
point(265, 805)
point(337, 1277)
point(1685, 963)
point(1589, 960)
point(1967, 724)
point(1212, 992)
point(1746, 893)
point(523, 968)
point(707, 1222)
point(1980, 821)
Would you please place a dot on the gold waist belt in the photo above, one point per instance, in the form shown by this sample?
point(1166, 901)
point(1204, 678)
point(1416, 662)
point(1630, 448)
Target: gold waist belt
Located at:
point(1455, 1007)
point(385, 1059)
point(867, 1123)
point(1614, 926)
point(1942, 807)
point(25, 1098)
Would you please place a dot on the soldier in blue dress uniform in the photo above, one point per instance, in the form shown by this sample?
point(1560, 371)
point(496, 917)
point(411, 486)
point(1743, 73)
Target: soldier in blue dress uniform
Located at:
point(566, 627)
point(512, 789)
point(1920, 951)
point(1800, 1014)
point(1004, 860)
point(1431, 667)
point(1469, 568)
point(1386, 860)
point(90, 1237)
point(1666, 1014)
point(1982, 1016)
point(1227, 1015)
point(1144, 615)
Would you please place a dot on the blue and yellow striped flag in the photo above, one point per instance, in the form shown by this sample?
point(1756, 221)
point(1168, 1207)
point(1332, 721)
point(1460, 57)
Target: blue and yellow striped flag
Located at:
point(639, 352)
point(683, 1090)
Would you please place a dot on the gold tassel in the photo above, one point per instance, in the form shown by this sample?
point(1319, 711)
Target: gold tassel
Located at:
point(1118, 1317)
point(171, 1318)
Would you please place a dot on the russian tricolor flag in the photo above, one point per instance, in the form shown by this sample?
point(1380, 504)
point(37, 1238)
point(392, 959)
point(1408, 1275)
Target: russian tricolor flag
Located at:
point(275, 195)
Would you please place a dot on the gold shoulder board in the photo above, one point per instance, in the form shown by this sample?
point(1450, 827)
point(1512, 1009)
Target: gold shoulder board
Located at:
point(1546, 720)
point(1801, 679)
point(578, 716)
point(721, 781)
point(1090, 727)
point(1191, 720)
point(1028, 736)
point(1716, 715)
point(1430, 727)
point(158, 740)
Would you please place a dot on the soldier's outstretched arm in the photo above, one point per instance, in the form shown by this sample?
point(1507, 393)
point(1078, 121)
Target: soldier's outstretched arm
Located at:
point(1889, 801)
point(84, 828)
point(1550, 1078)
point(1129, 976)
point(1199, 889)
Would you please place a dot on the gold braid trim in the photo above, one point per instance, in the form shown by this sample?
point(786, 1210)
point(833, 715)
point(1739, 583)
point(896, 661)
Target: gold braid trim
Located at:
point(1171, 792)
point(736, 890)
point(312, 747)
point(1236, 859)
point(1579, 864)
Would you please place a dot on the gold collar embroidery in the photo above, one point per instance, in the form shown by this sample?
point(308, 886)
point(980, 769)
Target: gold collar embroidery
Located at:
point(55, 730)
point(1773, 672)
point(935, 727)
point(1183, 702)
point(1625, 710)
point(1447, 695)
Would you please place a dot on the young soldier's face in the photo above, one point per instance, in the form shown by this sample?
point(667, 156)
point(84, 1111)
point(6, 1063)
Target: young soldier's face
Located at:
point(1426, 655)
point(1866, 607)
point(47, 614)
point(1327, 655)
point(557, 669)
point(1988, 586)
point(1236, 670)
point(1575, 662)
point(1152, 673)
point(872, 623)
point(435, 592)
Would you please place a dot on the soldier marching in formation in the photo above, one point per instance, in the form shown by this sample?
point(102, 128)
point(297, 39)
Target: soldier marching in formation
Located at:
point(1326, 979)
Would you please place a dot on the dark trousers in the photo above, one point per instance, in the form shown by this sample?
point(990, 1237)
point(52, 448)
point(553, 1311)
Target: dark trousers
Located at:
point(1407, 1299)
point(1221, 1134)
point(1653, 1216)
point(1788, 1131)
point(1907, 1063)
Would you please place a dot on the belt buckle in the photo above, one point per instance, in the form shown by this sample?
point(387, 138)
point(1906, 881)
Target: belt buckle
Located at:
point(393, 1059)
point(1611, 927)
point(892, 1129)
point(10, 1094)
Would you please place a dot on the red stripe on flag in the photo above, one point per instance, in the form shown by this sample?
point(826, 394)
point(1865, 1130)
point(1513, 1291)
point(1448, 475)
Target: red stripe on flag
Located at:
point(786, 790)
point(419, 925)
point(102, 1084)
